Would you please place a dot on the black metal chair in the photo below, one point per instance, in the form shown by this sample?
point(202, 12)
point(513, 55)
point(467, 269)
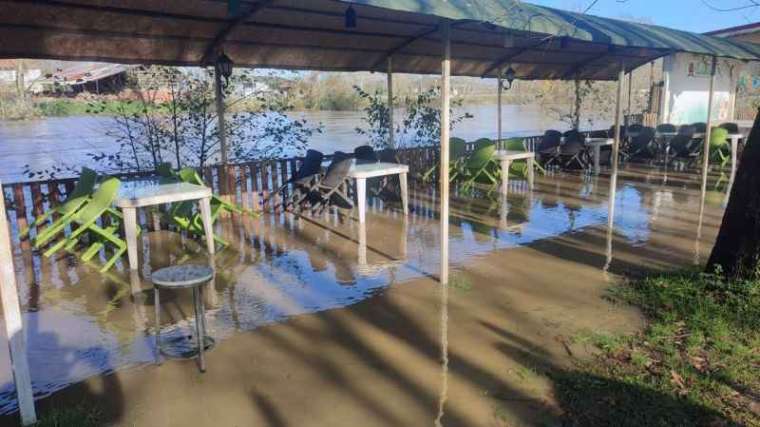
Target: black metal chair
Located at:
point(730, 127)
point(573, 151)
point(666, 128)
point(684, 148)
point(642, 145)
point(548, 148)
point(700, 127)
point(365, 154)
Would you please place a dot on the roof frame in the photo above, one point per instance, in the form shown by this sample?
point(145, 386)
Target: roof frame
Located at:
point(220, 37)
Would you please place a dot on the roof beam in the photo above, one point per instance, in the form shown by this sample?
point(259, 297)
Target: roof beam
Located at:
point(507, 58)
point(581, 64)
point(231, 25)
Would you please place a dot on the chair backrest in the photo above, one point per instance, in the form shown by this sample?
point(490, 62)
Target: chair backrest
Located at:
point(687, 130)
point(311, 165)
point(336, 173)
point(81, 191)
point(730, 127)
point(101, 200)
point(700, 127)
point(190, 176)
point(611, 133)
point(599, 134)
point(483, 142)
point(572, 147)
point(514, 144)
point(680, 144)
point(574, 136)
point(365, 154)
point(457, 148)
point(389, 156)
point(551, 139)
point(666, 127)
point(634, 128)
point(645, 136)
point(480, 157)
point(340, 155)
point(718, 137)
point(165, 170)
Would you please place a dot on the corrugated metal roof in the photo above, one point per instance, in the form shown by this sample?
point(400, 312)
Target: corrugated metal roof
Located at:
point(487, 35)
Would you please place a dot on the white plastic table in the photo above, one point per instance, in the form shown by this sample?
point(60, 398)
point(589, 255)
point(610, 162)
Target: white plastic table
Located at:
point(596, 145)
point(360, 172)
point(506, 157)
point(133, 196)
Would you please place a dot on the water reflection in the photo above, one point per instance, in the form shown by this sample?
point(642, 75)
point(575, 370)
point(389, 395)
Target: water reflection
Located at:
point(280, 266)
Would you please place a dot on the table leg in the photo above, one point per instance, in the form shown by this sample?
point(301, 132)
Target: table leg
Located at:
point(199, 338)
point(205, 205)
point(531, 171)
point(505, 175)
point(404, 192)
point(130, 233)
point(734, 149)
point(597, 154)
point(157, 305)
point(361, 197)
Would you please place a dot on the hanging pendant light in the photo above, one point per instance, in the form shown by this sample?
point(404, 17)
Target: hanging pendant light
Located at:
point(350, 17)
point(509, 75)
point(224, 66)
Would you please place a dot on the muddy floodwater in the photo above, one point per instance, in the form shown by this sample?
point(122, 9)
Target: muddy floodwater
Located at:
point(321, 321)
point(44, 143)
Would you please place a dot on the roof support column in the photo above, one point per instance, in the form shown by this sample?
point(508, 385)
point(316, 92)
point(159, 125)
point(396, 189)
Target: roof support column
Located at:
point(499, 86)
point(444, 153)
point(14, 327)
point(220, 123)
point(615, 149)
point(708, 131)
point(391, 125)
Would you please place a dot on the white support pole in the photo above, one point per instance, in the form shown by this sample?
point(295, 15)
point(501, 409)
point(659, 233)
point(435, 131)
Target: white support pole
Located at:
point(444, 166)
point(221, 125)
point(630, 92)
point(615, 149)
point(708, 131)
point(14, 327)
point(499, 84)
point(391, 125)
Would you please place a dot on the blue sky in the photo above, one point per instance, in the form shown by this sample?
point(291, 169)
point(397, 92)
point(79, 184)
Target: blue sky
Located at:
point(690, 15)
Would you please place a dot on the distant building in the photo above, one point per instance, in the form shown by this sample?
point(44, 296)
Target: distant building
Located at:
point(686, 80)
point(41, 76)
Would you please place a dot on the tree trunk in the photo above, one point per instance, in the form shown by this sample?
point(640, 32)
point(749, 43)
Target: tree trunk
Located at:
point(737, 249)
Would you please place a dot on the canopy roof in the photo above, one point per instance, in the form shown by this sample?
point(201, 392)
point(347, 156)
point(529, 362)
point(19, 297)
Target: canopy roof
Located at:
point(487, 36)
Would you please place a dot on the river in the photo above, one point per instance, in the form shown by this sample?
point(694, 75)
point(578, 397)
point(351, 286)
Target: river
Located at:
point(46, 142)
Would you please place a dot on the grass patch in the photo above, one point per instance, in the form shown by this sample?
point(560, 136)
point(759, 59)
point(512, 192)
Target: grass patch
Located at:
point(75, 416)
point(696, 363)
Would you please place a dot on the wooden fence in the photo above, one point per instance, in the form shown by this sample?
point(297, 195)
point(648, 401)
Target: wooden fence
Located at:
point(246, 184)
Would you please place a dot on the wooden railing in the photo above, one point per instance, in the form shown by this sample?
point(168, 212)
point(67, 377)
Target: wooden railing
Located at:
point(246, 184)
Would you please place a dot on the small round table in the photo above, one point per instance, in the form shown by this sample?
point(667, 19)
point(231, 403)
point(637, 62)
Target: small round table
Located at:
point(179, 277)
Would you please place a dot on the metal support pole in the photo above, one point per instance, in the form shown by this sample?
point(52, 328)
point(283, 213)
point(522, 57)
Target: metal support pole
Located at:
point(391, 126)
point(708, 131)
point(615, 149)
point(221, 126)
point(444, 166)
point(630, 92)
point(498, 110)
point(14, 327)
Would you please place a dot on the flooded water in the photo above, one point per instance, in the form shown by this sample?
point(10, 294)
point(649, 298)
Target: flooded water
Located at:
point(307, 311)
point(47, 142)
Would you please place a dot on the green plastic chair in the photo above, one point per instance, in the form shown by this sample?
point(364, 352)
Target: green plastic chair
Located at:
point(520, 167)
point(478, 166)
point(719, 148)
point(457, 152)
point(166, 173)
point(86, 219)
point(482, 142)
point(78, 197)
point(183, 215)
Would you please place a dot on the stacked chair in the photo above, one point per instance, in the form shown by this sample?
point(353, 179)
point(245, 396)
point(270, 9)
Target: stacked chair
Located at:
point(479, 166)
point(457, 153)
point(642, 146)
point(183, 214)
point(87, 212)
point(320, 191)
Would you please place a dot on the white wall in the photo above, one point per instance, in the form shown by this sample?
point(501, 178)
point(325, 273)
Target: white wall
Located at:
point(687, 88)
